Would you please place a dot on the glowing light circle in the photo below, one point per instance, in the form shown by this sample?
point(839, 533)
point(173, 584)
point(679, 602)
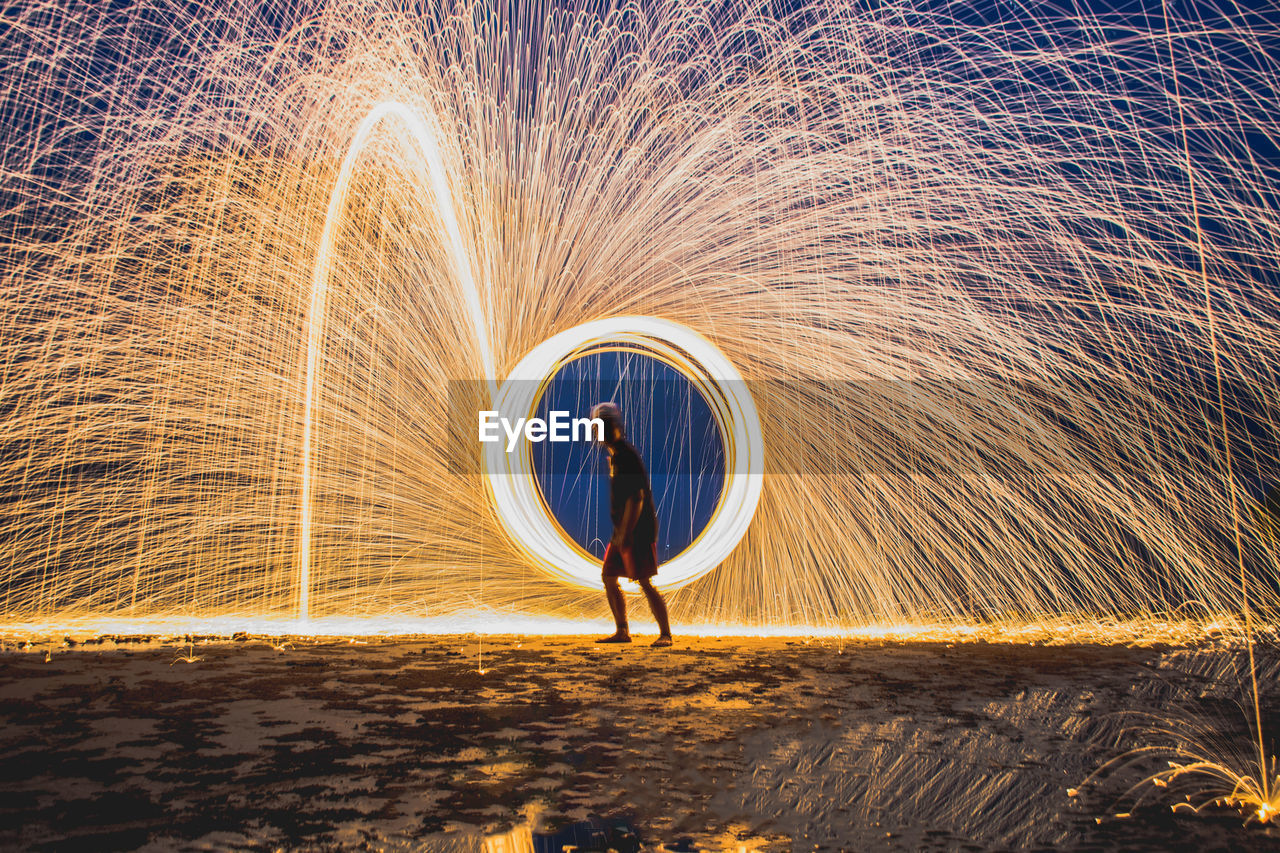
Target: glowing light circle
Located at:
point(513, 486)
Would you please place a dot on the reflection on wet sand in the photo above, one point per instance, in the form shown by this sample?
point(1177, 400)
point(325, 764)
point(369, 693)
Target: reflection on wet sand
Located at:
point(518, 839)
point(597, 835)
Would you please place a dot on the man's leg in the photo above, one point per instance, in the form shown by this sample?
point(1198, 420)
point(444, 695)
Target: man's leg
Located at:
point(617, 601)
point(659, 608)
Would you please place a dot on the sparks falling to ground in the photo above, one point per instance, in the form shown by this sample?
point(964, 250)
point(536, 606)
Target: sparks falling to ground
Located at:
point(245, 254)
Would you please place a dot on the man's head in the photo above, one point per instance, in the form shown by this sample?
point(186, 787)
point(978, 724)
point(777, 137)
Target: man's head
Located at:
point(612, 417)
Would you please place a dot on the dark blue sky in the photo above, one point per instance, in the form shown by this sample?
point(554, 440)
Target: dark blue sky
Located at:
point(668, 422)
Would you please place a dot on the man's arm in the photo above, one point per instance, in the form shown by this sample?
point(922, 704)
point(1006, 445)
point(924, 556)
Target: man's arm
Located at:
point(622, 534)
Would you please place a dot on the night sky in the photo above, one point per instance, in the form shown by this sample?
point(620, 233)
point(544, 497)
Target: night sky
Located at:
point(669, 423)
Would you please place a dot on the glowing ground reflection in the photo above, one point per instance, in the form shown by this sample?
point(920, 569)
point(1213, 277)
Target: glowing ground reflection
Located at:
point(725, 743)
point(1055, 631)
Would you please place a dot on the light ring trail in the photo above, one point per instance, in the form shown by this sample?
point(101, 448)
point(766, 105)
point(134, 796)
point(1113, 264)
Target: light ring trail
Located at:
point(425, 143)
point(513, 488)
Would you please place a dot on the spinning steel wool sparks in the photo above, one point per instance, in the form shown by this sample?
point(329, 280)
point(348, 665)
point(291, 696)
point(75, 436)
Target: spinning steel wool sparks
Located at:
point(939, 280)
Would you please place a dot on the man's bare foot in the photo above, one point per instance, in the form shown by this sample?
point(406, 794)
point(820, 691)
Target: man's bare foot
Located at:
point(662, 642)
point(619, 637)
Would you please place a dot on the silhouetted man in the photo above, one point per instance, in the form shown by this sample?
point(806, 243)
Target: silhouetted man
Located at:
point(633, 549)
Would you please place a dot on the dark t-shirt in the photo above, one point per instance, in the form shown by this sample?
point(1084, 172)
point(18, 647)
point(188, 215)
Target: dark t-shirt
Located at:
point(627, 477)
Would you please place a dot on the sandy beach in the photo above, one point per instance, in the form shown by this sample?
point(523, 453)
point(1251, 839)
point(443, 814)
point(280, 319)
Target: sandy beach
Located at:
point(526, 743)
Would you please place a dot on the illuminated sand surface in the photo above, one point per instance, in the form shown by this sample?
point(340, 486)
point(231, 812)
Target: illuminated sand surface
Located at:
point(1062, 630)
point(717, 744)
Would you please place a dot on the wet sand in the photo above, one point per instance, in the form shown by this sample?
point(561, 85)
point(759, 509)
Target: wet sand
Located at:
point(715, 744)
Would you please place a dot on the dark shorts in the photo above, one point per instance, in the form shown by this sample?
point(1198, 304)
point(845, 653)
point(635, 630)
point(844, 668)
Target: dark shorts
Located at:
point(645, 560)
